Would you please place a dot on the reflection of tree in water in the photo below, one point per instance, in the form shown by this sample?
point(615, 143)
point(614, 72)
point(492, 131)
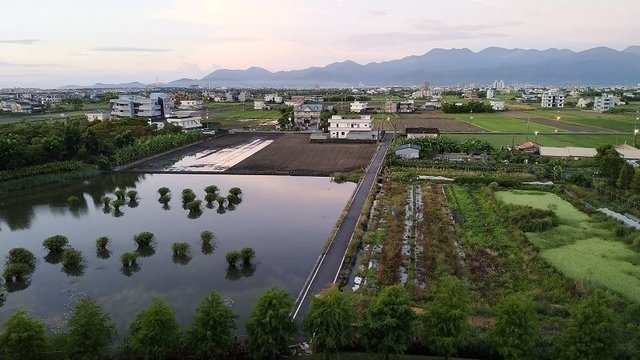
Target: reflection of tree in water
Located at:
point(146, 251)
point(130, 270)
point(194, 214)
point(234, 273)
point(208, 248)
point(17, 209)
point(181, 259)
point(53, 257)
point(221, 210)
point(3, 297)
point(133, 204)
point(75, 271)
point(18, 284)
point(103, 253)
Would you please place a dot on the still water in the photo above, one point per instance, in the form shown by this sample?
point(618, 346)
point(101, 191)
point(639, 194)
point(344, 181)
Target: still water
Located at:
point(285, 219)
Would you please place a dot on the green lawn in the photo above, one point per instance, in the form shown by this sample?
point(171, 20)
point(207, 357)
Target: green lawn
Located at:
point(617, 122)
point(579, 247)
point(562, 140)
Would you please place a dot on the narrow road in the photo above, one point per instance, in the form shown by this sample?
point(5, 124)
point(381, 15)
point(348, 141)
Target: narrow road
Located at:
point(327, 271)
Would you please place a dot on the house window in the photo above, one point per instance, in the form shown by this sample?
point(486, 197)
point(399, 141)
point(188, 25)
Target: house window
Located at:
point(342, 133)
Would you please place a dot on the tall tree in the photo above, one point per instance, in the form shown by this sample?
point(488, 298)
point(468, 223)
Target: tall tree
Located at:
point(516, 331)
point(446, 321)
point(635, 183)
point(212, 330)
point(90, 330)
point(590, 333)
point(609, 162)
point(388, 321)
point(270, 326)
point(154, 331)
point(327, 323)
point(23, 337)
point(624, 177)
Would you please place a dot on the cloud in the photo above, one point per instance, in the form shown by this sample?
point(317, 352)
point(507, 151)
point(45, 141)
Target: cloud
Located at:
point(376, 40)
point(24, 65)
point(128, 49)
point(377, 12)
point(20, 41)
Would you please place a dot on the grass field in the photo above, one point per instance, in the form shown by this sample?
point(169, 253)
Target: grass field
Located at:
point(580, 140)
point(579, 248)
point(624, 122)
point(500, 123)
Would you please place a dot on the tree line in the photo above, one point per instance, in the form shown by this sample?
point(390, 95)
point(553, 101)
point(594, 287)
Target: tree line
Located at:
point(35, 143)
point(387, 323)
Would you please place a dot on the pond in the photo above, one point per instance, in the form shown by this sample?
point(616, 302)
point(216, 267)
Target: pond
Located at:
point(285, 219)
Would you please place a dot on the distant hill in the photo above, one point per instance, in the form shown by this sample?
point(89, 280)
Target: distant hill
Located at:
point(597, 66)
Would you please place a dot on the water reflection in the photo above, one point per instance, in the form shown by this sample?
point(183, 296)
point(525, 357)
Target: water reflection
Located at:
point(146, 251)
point(181, 259)
point(53, 257)
point(288, 241)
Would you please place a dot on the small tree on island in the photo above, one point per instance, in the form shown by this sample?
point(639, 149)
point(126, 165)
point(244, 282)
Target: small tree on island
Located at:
point(102, 243)
point(211, 189)
point(20, 264)
point(56, 243)
point(210, 198)
point(73, 201)
point(120, 194)
point(132, 195)
point(90, 330)
point(235, 191)
point(117, 204)
point(247, 255)
point(165, 199)
point(270, 327)
point(23, 337)
point(154, 331)
point(213, 327)
point(232, 258)
point(106, 201)
point(72, 261)
point(181, 249)
point(144, 238)
point(163, 191)
point(188, 196)
point(129, 259)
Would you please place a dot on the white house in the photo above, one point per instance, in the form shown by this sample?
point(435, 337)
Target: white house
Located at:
point(273, 98)
point(358, 106)
point(552, 99)
point(490, 93)
point(497, 105)
point(582, 103)
point(408, 151)
point(190, 105)
point(97, 115)
point(356, 129)
point(185, 119)
point(604, 102)
point(260, 105)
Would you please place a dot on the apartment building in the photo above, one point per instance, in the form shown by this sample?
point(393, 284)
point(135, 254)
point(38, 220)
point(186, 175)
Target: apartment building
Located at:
point(604, 102)
point(552, 99)
point(352, 128)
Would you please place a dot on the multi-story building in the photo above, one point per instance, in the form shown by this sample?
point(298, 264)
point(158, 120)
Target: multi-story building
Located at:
point(273, 98)
point(97, 115)
point(157, 105)
point(190, 105)
point(553, 99)
point(359, 106)
point(355, 129)
point(604, 102)
point(307, 114)
point(390, 107)
point(490, 93)
point(407, 106)
point(244, 96)
point(497, 105)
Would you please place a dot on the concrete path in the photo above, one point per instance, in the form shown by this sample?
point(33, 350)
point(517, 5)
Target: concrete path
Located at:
point(330, 263)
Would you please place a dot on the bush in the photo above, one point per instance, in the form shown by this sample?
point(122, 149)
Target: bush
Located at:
point(106, 201)
point(232, 258)
point(247, 254)
point(235, 191)
point(188, 196)
point(181, 249)
point(529, 219)
point(56, 243)
point(210, 198)
point(144, 238)
point(165, 199)
point(90, 330)
point(132, 195)
point(117, 204)
point(622, 231)
point(120, 194)
point(211, 189)
point(206, 237)
point(194, 206)
point(128, 259)
point(72, 259)
point(21, 256)
point(15, 272)
point(163, 191)
point(73, 201)
point(102, 243)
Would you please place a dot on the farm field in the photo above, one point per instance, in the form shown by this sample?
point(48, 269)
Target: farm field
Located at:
point(561, 140)
point(427, 119)
point(579, 248)
point(623, 122)
point(237, 115)
point(500, 123)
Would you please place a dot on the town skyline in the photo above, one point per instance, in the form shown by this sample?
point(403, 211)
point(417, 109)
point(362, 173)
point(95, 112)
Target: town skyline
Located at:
point(167, 40)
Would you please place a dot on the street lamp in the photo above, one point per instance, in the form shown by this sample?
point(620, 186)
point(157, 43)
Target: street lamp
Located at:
point(635, 133)
point(557, 123)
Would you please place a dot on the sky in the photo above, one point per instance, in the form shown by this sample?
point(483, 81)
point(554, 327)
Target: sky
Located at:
point(46, 43)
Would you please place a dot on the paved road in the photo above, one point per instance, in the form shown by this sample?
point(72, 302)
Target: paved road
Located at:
point(325, 274)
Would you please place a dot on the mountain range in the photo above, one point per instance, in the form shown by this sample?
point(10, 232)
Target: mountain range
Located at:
point(596, 66)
